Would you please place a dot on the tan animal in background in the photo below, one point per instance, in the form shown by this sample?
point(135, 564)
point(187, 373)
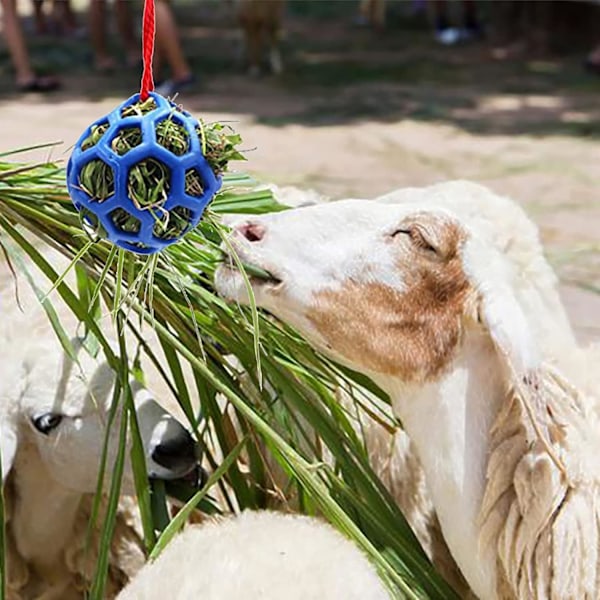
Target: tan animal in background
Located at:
point(260, 22)
point(455, 315)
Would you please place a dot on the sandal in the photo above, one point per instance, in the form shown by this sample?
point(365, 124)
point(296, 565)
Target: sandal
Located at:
point(39, 84)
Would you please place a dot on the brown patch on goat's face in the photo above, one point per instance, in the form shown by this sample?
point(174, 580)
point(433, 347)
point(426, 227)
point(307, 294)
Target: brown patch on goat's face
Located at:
point(410, 333)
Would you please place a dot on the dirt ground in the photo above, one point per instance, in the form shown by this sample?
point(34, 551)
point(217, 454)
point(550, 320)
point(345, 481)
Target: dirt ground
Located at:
point(357, 114)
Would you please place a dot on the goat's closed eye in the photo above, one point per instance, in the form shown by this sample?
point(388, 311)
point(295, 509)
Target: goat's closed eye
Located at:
point(416, 236)
point(47, 422)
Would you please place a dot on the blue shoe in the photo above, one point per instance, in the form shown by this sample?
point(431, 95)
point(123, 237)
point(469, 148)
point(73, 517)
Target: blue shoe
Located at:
point(171, 87)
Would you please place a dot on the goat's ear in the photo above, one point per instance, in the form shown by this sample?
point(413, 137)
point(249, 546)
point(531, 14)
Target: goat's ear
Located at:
point(499, 311)
point(507, 325)
point(8, 446)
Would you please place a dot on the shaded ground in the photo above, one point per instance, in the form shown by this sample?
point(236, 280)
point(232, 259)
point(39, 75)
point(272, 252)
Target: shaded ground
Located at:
point(356, 114)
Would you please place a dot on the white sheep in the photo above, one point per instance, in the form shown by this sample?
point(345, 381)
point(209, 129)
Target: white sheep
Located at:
point(53, 415)
point(455, 314)
point(259, 556)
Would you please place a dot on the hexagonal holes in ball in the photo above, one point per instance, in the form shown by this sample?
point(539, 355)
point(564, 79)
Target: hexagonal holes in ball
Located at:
point(148, 184)
point(97, 180)
point(126, 139)
point(91, 224)
point(194, 185)
point(125, 222)
point(173, 224)
point(173, 136)
point(95, 135)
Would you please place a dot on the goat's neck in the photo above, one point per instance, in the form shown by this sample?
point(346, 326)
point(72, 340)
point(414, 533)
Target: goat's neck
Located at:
point(449, 421)
point(44, 513)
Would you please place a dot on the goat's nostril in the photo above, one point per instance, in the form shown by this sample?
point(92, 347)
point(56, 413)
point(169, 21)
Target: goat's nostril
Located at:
point(174, 451)
point(253, 232)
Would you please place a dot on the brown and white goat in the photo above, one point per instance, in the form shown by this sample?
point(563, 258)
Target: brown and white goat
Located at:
point(468, 337)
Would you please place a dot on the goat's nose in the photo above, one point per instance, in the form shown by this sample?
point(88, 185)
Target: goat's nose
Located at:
point(175, 451)
point(252, 232)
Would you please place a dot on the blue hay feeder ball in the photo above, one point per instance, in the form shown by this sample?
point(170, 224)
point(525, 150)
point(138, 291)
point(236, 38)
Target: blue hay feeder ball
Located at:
point(117, 214)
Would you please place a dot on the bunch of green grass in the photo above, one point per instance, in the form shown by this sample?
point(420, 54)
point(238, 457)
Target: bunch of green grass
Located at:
point(284, 399)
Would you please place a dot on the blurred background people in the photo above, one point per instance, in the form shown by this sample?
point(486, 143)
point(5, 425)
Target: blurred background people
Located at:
point(26, 78)
point(63, 21)
point(522, 27)
point(446, 33)
point(98, 24)
point(592, 62)
point(168, 50)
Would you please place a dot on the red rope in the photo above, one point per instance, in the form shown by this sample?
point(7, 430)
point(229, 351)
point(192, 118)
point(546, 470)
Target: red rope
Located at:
point(148, 32)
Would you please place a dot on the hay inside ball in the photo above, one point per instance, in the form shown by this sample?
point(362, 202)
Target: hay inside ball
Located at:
point(142, 175)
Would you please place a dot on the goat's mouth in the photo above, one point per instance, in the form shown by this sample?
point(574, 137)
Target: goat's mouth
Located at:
point(258, 275)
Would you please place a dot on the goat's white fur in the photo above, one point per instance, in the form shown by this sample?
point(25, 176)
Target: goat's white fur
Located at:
point(259, 556)
point(510, 529)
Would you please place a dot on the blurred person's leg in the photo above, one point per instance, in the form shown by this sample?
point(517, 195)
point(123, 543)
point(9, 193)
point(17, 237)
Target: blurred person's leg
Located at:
point(363, 13)
point(63, 14)
point(25, 76)
point(378, 13)
point(539, 15)
point(169, 50)
point(127, 32)
point(41, 25)
point(472, 25)
point(444, 33)
point(98, 35)
point(510, 28)
point(592, 61)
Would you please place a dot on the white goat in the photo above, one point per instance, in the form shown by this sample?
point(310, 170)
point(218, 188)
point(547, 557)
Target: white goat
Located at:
point(259, 556)
point(459, 328)
point(53, 415)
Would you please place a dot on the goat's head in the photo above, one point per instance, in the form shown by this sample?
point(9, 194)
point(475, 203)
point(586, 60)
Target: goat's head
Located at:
point(386, 289)
point(60, 409)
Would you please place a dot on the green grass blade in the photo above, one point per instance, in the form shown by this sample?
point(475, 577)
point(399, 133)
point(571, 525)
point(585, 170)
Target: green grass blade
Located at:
point(104, 274)
point(99, 582)
point(74, 262)
point(137, 453)
point(159, 505)
point(29, 149)
point(178, 521)
point(96, 505)
point(119, 281)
